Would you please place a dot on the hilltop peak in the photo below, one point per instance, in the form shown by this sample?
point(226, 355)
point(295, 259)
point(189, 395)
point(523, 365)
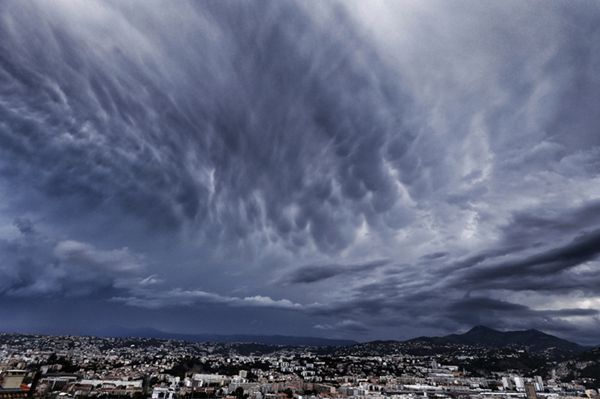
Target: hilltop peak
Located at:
point(481, 328)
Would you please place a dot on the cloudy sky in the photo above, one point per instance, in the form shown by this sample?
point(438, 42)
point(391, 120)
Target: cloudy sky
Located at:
point(351, 169)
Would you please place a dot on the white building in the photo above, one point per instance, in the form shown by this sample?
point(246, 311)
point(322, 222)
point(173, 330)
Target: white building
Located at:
point(519, 383)
point(163, 393)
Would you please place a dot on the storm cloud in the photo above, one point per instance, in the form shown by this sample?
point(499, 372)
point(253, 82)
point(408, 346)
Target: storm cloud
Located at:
point(313, 273)
point(376, 170)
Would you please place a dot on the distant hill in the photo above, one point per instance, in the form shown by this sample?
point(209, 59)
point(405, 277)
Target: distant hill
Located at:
point(280, 340)
point(532, 340)
point(583, 365)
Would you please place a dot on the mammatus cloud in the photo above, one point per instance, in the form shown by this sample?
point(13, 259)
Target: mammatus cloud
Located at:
point(429, 165)
point(132, 120)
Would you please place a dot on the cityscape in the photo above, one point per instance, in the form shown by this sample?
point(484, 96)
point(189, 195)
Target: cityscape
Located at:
point(492, 364)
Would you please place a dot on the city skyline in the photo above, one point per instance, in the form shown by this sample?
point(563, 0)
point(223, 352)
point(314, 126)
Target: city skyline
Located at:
point(355, 170)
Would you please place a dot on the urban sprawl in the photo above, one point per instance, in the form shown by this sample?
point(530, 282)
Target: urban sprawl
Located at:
point(36, 366)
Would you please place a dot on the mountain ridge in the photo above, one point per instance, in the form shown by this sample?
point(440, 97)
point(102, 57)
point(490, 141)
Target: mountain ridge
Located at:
point(479, 335)
point(275, 339)
point(488, 337)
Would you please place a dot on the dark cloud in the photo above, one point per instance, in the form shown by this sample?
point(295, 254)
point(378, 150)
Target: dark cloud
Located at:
point(187, 159)
point(42, 267)
point(313, 273)
point(474, 307)
point(469, 294)
point(24, 225)
point(538, 226)
point(185, 146)
point(434, 255)
point(583, 248)
point(506, 315)
point(546, 258)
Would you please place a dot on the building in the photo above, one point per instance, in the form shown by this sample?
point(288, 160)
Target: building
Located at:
point(539, 383)
point(12, 379)
point(530, 391)
point(12, 393)
point(519, 383)
point(163, 393)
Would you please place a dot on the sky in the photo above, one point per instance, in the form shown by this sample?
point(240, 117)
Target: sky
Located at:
point(364, 170)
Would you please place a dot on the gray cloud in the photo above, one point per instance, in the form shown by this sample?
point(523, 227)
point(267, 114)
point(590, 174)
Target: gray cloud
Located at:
point(313, 273)
point(158, 159)
point(583, 248)
point(155, 299)
point(39, 266)
point(24, 225)
point(344, 326)
point(194, 154)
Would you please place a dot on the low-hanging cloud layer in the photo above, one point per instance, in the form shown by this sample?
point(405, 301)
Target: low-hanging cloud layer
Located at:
point(366, 170)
